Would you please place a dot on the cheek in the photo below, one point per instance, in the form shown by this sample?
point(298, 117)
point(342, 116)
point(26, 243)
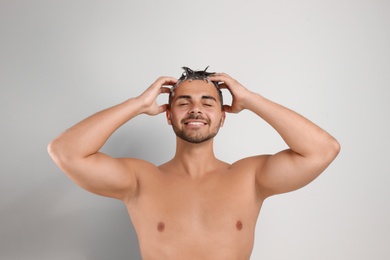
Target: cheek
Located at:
point(174, 118)
point(216, 116)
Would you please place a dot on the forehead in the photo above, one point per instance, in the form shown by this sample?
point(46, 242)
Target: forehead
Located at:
point(195, 87)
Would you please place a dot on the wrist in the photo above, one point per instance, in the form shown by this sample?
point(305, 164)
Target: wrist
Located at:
point(136, 104)
point(253, 101)
point(249, 99)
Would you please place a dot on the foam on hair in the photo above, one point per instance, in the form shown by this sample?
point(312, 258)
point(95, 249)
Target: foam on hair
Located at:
point(190, 75)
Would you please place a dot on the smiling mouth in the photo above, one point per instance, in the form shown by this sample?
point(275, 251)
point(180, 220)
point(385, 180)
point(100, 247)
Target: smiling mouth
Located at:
point(195, 123)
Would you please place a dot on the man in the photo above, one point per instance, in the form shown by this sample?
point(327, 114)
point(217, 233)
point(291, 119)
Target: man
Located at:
point(194, 206)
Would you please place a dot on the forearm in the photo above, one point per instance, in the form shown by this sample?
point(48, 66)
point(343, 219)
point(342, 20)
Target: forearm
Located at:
point(89, 135)
point(301, 135)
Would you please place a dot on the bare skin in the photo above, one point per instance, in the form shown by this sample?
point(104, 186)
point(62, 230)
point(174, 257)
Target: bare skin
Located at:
point(194, 206)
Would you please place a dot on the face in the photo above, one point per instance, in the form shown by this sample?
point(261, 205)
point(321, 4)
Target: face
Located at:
point(195, 112)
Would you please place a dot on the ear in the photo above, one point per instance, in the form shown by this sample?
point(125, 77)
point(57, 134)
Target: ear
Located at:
point(223, 117)
point(168, 115)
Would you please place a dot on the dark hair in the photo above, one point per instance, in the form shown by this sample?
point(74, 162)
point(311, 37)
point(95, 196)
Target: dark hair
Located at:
point(190, 75)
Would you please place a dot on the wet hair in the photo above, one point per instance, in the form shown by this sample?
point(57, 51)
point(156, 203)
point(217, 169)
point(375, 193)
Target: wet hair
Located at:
point(190, 75)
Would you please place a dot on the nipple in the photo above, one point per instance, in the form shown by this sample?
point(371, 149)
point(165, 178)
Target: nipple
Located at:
point(160, 226)
point(239, 225)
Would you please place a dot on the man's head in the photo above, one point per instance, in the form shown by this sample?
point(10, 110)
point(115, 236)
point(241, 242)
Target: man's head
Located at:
point(195, 107)
point(191, 75)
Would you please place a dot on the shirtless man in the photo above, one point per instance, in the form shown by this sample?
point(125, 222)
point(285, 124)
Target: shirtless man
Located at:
point(194, 206)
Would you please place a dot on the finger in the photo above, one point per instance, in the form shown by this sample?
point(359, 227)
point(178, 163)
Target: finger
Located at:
point(223, 85)
point(166, 81)
point(220, 77)
point(165, 90)
point(162, 108)
point(223, 82)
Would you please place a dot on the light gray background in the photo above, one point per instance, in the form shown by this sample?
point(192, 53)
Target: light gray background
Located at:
point(61, 61)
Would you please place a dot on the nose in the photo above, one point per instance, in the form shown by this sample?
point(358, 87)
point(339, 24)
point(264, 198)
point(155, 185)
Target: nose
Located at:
point(195, 109)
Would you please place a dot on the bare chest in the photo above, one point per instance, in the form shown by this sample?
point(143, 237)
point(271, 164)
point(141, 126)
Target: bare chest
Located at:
point(215, 216)
point(216, 203)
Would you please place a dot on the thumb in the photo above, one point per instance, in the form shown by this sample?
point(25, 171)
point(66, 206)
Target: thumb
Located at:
point(162, 108)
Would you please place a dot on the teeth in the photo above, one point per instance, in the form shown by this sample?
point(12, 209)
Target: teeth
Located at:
point(195, 123)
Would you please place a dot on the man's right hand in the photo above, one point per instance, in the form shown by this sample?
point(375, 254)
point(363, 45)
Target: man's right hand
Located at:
point(149, 96)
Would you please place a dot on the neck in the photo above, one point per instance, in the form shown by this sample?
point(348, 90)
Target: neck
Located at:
point(195, 160)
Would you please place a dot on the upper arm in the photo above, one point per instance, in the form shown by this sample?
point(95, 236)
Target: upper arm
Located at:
point(103, 175)
point(287, 171)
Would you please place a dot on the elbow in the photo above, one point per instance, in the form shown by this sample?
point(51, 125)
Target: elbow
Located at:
point(54, 149)
point(336, 147)
point(56, 152)
point(51, 149)
point(326, 154)
point(333, 149)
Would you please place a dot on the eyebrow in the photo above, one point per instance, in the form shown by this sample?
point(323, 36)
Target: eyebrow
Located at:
point(209, 97)
point(189, 97)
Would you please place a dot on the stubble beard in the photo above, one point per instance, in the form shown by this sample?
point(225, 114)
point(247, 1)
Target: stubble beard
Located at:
point(194, 136)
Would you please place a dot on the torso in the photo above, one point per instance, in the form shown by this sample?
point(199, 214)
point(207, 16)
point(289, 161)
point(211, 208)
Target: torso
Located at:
point(214, 217)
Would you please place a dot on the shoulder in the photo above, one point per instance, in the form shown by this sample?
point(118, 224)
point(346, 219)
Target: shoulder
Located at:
point(253, 163)
point(139, 168)
point(130, 162)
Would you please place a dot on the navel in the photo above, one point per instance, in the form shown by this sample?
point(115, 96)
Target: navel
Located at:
point(160, 226)
point(239, 225)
